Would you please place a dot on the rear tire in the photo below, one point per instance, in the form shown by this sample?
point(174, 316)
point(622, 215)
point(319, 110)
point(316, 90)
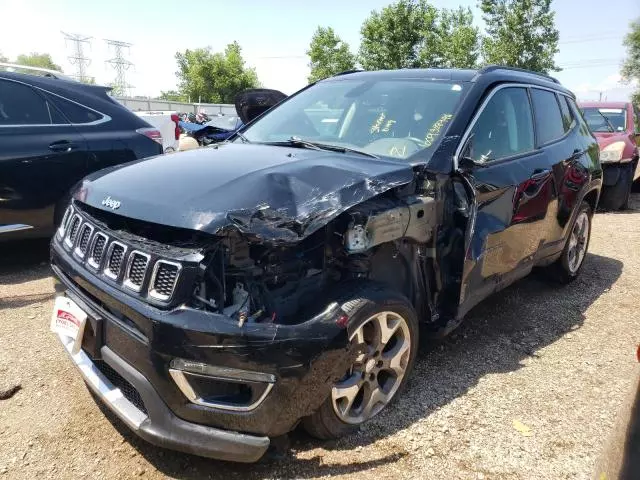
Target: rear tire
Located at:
point(616, 197)
point(567, 268)
point(379, 375)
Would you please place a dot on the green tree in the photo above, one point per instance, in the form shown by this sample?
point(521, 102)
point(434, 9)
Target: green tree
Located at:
point(415, 34)
point(173, 96)
point(391, 38)
point(40, 60)
point(520, 33)
point(631, 66)
point(458, 39)
point(328, 54)
point(214, 77)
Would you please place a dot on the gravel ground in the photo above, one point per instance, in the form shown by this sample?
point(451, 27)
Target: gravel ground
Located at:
point(528, 387)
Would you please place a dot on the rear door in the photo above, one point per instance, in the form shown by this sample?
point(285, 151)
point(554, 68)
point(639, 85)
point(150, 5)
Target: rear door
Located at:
point(41, 157)
point(513, 190)
point(566, 153)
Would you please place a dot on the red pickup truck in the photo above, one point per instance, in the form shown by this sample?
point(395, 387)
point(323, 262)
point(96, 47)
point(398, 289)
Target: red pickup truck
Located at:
point(616, 126)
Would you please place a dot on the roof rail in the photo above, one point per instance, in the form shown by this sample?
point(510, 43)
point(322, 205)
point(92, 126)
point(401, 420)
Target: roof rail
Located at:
point(491, 68)
point(346, 72)
point(45, 72)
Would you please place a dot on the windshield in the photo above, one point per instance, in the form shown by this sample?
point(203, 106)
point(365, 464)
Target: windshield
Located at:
point(226, 122)
point(605, 119)
point(394, 118)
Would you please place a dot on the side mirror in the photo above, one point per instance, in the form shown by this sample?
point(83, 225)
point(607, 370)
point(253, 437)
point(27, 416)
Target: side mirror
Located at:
point(465, 161)
point(468, 163)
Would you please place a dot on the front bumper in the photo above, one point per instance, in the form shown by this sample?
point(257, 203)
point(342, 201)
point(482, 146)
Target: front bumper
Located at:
point(158, 425)
point(303, 359)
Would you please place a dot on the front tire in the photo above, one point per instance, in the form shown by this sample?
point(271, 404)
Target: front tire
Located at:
point(567, 268)
point(387, 324)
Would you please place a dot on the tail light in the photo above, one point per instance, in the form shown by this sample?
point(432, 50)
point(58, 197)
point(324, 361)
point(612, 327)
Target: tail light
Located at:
point(175, 119)
point(151, 133)
point(638, 353)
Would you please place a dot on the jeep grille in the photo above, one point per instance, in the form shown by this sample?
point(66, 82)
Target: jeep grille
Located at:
point(134, 269)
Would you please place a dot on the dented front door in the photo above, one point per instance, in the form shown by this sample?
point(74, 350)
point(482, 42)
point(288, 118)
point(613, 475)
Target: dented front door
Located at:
point(512, 192)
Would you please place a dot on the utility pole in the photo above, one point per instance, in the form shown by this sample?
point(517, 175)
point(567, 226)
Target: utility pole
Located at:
point(77, 57)
point(120, 65)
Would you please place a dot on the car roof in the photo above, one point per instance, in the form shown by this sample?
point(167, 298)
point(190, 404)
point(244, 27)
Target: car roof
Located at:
point(489, 74)
point(50, 83)
point(603, 104)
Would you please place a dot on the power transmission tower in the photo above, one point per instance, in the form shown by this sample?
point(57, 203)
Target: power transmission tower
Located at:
point(78, 58)
point(120, 65)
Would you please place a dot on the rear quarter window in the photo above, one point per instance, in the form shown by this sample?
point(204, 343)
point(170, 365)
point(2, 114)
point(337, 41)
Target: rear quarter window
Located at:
point(568, 121)
point(549, 123)
point(74, 112)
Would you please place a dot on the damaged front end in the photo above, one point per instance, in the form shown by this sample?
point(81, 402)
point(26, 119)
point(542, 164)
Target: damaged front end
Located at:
point(238, 324)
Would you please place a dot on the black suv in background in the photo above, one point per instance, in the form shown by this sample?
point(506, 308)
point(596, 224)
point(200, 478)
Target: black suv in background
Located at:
point(216, 298)
point(53, 132)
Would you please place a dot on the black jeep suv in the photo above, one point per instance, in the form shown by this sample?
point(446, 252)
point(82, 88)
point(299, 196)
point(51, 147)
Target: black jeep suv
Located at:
point(54, 132)
point(217, 298)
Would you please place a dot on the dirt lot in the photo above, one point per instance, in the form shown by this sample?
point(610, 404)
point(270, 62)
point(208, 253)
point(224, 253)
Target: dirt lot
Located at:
point(529, 387)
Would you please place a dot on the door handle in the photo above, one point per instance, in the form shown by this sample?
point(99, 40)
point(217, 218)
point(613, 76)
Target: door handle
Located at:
point(540, 174)
point(62, 146)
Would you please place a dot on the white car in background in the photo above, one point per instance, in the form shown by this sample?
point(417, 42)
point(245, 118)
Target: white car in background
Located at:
point(167, 123)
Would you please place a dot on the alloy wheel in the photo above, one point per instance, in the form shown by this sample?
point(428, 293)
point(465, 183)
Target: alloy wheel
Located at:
point(578, 242)
point(377, 373)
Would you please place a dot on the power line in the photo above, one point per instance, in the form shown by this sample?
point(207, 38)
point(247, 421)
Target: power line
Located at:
point(120, 65)
point(77, 57)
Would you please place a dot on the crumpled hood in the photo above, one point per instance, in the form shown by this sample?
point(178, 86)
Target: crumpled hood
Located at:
point(276, 193)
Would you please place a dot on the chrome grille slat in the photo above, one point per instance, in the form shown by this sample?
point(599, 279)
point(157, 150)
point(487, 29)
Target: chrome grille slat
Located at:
point(97, 250)
point(72, 231)
point(85, 232)
point(115, 257)
point(164, 279)
point(62, 228)
point(136, 270)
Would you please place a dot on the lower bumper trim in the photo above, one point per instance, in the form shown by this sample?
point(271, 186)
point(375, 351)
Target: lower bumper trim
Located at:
point(14, 228)
point(161, 427)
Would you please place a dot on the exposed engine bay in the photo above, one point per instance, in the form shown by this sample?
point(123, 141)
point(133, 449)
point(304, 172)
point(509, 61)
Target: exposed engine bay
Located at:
point(252, 281)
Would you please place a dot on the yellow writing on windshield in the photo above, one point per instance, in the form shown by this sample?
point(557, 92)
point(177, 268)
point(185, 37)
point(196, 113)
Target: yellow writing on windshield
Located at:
point(398, 152)
point(377, 124)
point(387, 127)
point(435, 129)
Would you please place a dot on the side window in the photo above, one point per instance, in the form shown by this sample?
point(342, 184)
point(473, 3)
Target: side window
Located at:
point(503, 128)
point(577, 113)
point(21, 105)
point(549, 124)
point(73, 112)
point(568, 122)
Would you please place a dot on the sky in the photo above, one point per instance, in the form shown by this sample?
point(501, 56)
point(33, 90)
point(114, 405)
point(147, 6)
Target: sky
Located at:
point(274, 35)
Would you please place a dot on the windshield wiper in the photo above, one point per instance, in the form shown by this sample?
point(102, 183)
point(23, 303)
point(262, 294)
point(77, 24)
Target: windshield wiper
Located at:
point(606, 119)
point(299, 142)
point(243, 138)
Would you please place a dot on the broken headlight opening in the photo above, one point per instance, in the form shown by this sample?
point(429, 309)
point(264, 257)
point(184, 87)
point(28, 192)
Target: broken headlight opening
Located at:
point(252, 282)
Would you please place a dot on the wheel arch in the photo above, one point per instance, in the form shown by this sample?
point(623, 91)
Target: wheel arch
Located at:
point(592, 197)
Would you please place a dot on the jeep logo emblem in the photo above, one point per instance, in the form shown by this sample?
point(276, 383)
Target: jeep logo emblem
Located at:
point(111, 203)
